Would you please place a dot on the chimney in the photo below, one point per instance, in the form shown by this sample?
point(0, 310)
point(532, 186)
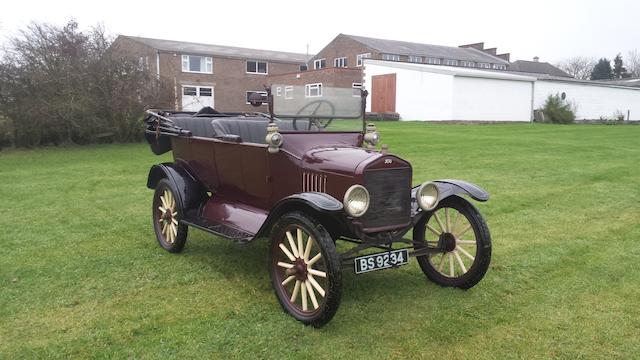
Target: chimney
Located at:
point(479, 46)
point(536, 59)
point(491, 51)
point(505, 56)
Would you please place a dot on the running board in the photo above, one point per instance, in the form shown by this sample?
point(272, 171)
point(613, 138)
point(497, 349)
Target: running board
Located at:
point(222, 230)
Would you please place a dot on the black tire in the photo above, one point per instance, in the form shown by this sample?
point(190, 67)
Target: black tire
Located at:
point(432, 265)
point(175, 242)
point(328, 264)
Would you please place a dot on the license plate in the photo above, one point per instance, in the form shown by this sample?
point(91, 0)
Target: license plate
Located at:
point(383, 260)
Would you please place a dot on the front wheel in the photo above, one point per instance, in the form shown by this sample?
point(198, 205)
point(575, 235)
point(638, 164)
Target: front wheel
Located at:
point(305, 269)
point(457, 228)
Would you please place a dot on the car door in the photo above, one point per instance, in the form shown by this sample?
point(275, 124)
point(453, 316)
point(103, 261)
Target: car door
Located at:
point(243, 170)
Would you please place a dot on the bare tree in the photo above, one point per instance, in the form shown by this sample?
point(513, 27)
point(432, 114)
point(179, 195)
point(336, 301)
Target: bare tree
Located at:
point(633, 63)
point(578, 66)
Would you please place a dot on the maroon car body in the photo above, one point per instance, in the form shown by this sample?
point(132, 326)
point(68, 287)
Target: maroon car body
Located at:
point(225, 179)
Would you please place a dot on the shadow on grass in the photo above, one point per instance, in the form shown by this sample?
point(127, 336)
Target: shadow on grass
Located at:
point(248, 264)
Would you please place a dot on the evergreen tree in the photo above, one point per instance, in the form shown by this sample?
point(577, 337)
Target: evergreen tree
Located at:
point(619, 71)
point(602, 70)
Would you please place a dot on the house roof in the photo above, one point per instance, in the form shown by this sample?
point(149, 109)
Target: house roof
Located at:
point(220, 50)
point(571, 80)
point(537, 67)
point(453, 70)
point(427, 50)
point(634, 82)
point(496, 74)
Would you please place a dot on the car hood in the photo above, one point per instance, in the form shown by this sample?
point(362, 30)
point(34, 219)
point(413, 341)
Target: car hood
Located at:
point(342, 160)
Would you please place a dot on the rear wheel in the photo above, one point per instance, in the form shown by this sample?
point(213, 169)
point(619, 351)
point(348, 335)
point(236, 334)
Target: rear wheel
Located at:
point(171, 235)
point(305, 269)
point(459, 230)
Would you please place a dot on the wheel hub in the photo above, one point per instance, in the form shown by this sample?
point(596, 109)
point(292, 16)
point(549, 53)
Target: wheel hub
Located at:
point(300, 267)
point(447, 241)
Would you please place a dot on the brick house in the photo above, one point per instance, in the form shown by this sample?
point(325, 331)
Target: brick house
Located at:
point(348, 51)
point(209, 75)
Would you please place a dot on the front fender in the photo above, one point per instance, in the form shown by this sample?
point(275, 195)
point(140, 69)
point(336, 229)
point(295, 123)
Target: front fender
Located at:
point(190, 192)
point(448, 187)
point(324, 207)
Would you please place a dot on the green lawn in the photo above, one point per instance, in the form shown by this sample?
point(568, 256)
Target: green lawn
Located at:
point(82, 276)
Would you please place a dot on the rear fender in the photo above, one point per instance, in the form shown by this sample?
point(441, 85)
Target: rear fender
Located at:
point(323, 207)
point(190, 191)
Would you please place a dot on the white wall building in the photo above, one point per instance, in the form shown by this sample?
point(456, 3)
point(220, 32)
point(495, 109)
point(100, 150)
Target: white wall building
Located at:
point(591, 100)
point(436, 93)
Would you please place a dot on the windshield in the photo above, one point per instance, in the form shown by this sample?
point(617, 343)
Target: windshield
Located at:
point(313, 107)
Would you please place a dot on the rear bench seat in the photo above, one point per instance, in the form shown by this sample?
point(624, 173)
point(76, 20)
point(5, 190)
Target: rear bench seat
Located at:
point(249, 130)
point(199, 126)
point(253, 131)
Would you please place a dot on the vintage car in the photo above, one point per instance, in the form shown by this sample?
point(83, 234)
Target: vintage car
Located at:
point(305, 175)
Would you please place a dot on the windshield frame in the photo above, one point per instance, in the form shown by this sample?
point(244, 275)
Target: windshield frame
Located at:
point(321, 122)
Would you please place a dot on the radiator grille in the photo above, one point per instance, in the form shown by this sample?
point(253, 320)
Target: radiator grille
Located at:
point(314, 182)
point(390, 191)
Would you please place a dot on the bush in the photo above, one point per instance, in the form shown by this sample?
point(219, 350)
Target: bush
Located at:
point(59, 85)
point(618, 117)
point(558, 111)
point(6, 133)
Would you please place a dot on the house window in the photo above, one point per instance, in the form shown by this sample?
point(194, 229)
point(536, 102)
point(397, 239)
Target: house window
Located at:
point(360, 58)
point(319, 64)
point(143, 63)
point(467, 63)
point(256, 67)
point(391, 57)
point(415, 59)
point(288, 92)
point(499, 67)
point(279, 91)
point(262, 93)
point(357, 89)
point(340, 62)
point(484, 65)
point(451, 62)
point(197, 64)
point(433, 61)
point(313, 90)
point(197, 91)
point(303, 67)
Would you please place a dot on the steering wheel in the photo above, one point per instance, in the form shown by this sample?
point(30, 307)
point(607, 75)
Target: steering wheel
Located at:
point(318, 122)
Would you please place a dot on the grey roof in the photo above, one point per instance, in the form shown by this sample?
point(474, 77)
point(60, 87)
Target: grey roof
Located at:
point(634, 82)
point(607, 83)
point(220, 50)
point(427, 50)
point(537, 67)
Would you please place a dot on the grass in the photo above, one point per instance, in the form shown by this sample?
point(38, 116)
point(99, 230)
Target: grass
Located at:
point(82, 276)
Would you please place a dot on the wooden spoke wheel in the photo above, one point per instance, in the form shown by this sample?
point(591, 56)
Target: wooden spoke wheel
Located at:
point(458, 229)
point(305, 269)
point(171, 235)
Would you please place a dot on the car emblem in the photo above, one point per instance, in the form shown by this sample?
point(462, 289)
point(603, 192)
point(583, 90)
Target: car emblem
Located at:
point(388, 161)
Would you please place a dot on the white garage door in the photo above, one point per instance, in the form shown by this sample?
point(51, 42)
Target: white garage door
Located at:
point(195, 98)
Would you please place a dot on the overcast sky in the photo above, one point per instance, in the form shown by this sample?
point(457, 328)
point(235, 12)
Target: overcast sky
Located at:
point(552, 30)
